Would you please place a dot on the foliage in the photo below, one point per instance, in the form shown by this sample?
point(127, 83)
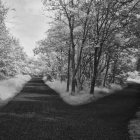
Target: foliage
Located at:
point(12, 56)
point(95, 42)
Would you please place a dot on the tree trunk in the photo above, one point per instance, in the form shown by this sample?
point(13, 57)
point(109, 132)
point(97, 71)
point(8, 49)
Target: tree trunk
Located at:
point(73, 81)
point(114, 71)
point(107, 68)
point(73, 69)
point(73, 86)
point(138, 65)
point(68, 74)
point(61, 63)
point(93, 80)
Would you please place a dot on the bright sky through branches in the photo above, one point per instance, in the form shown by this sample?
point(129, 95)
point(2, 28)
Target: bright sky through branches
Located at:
point(26, 22)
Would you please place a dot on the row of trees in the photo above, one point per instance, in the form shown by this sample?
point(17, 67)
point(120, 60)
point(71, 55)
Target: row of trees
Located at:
point(13, 59)
point(92, 41)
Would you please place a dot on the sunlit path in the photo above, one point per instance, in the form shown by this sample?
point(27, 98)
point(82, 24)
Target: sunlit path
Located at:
point(38, 113)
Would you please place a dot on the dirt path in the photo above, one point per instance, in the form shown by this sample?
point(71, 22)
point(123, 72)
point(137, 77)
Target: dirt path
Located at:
point(38, 113)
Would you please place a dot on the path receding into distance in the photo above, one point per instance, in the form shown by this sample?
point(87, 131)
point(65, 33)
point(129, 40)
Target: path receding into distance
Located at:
point(38, 113)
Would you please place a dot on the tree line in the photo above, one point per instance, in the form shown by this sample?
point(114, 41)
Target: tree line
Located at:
point(13, 59)
point(92, 42)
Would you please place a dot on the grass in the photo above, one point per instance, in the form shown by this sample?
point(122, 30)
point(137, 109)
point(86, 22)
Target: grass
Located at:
point(10, 87)
point(80, 97)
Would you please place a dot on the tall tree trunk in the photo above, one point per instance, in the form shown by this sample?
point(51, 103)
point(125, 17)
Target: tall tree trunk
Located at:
point(68, 74)
point(114, 71)
point(72, 53)
point(93, 80)
point(73, 71)
point(61, 61)
point(91, 67)
point(107, 68)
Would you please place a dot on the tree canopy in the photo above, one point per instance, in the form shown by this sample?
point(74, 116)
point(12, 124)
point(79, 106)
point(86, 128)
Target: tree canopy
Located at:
point(13, 59)
point(95, 41)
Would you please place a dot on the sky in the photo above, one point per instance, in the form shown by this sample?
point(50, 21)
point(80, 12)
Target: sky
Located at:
point(27, 22)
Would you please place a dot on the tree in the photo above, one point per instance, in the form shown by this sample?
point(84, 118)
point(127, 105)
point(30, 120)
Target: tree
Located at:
point(70, 15)
point(12, 56)
point(97, 36)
